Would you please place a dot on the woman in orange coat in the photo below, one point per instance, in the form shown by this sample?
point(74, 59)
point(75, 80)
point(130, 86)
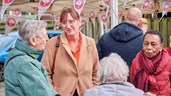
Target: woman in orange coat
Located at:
point(151, 68)
point(72, 65)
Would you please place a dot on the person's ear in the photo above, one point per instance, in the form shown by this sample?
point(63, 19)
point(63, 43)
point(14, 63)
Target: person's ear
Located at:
point(139, 23)
point(170, 44)
point(32, 41)
point(162, 45)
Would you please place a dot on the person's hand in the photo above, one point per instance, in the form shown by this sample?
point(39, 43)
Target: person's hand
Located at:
point(149, 94)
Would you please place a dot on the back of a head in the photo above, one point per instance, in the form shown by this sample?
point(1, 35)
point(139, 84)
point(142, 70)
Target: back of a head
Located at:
point(30, 28)
point(113, 68)
point(133, 16)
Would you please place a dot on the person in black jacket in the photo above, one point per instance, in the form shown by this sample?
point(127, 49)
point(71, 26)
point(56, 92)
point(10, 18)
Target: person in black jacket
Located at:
point(124, 39)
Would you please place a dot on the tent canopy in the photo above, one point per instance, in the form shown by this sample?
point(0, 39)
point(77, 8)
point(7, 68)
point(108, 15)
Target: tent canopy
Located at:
point(96, 5)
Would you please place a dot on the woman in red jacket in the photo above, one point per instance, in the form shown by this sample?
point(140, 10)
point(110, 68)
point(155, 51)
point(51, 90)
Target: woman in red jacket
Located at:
point(151, 68)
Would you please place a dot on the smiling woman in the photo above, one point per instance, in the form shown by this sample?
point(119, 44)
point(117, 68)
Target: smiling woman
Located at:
point(75, 52)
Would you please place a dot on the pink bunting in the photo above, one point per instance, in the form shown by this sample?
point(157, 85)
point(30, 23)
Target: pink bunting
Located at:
point(11, 21)
point(5, 5)
point(78, 5)
point(43, 6)
point(165, 8)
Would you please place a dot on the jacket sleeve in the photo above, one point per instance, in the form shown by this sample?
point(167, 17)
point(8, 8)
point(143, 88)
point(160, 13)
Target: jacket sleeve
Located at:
point(33, 81)
point(99, 48)
point(95, 66)
point(133, 71)
point(49, 57)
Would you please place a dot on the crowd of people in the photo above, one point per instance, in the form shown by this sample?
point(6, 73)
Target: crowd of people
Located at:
point(74, 65)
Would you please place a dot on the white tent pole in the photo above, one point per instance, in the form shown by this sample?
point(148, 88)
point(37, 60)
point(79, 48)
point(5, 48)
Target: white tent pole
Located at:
point(114, 13)
point(101, 28)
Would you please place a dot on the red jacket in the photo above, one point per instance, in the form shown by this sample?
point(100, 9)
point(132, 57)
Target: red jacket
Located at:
point(168, 49)
point(159, 82)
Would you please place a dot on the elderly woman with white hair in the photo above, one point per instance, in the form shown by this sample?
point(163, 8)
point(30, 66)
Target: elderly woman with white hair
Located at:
point(113, 74)
point(24, 75)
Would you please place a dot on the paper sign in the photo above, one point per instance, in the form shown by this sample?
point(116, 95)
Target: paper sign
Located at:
point(43, 6)
point(78, 5)
point(147, 5)
point(106, 2)
point(11, 21)
point(104, 18)
point(5, 5)
point(8, 1)
point(45, 3)
point(92, 14)
point(57, 17)
point(57, 25)
point(125, 2)
point(83, 22)
point(17, 12)
point(165, 8)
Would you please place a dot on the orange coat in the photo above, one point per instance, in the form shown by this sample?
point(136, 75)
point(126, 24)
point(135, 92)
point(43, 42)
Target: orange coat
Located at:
point(65, 75)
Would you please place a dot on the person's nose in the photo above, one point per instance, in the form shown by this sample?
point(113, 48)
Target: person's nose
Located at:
point(149, 47)
point(47, 38)
point(68, 25)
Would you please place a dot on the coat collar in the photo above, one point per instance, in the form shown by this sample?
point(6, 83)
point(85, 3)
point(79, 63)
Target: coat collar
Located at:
point(34, 53)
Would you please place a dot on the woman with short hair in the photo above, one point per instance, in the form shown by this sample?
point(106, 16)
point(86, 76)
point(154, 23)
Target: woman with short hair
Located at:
point(151, 68)
point(113, 74)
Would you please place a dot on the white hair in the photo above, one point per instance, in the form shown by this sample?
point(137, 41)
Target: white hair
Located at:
point(31, 29)
point(113, 68)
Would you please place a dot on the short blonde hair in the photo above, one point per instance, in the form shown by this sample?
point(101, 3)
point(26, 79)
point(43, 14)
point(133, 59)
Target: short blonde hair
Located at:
point(144, 20)
point(113, 68)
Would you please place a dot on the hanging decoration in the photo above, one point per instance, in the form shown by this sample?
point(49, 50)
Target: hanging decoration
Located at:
point(125, 2)
point(78, 5)
point(107, 4)
point(5, 5)
point(147, 4)
point(17, 12)
point(83, 22)
point(11, 21)
point(43, 6)
point(57, 17)
point(92, 16)
point(103, 18)
point(57, 24)
point(165, 7)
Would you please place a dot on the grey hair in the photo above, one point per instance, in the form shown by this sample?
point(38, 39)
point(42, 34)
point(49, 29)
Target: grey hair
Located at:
point(113, 68)
point(30, 29)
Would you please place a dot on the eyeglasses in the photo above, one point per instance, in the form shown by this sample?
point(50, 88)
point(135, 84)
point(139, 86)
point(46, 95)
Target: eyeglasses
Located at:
point(70, 22)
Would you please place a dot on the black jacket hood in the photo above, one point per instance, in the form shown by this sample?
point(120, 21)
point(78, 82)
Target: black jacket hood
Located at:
point(125, 32)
